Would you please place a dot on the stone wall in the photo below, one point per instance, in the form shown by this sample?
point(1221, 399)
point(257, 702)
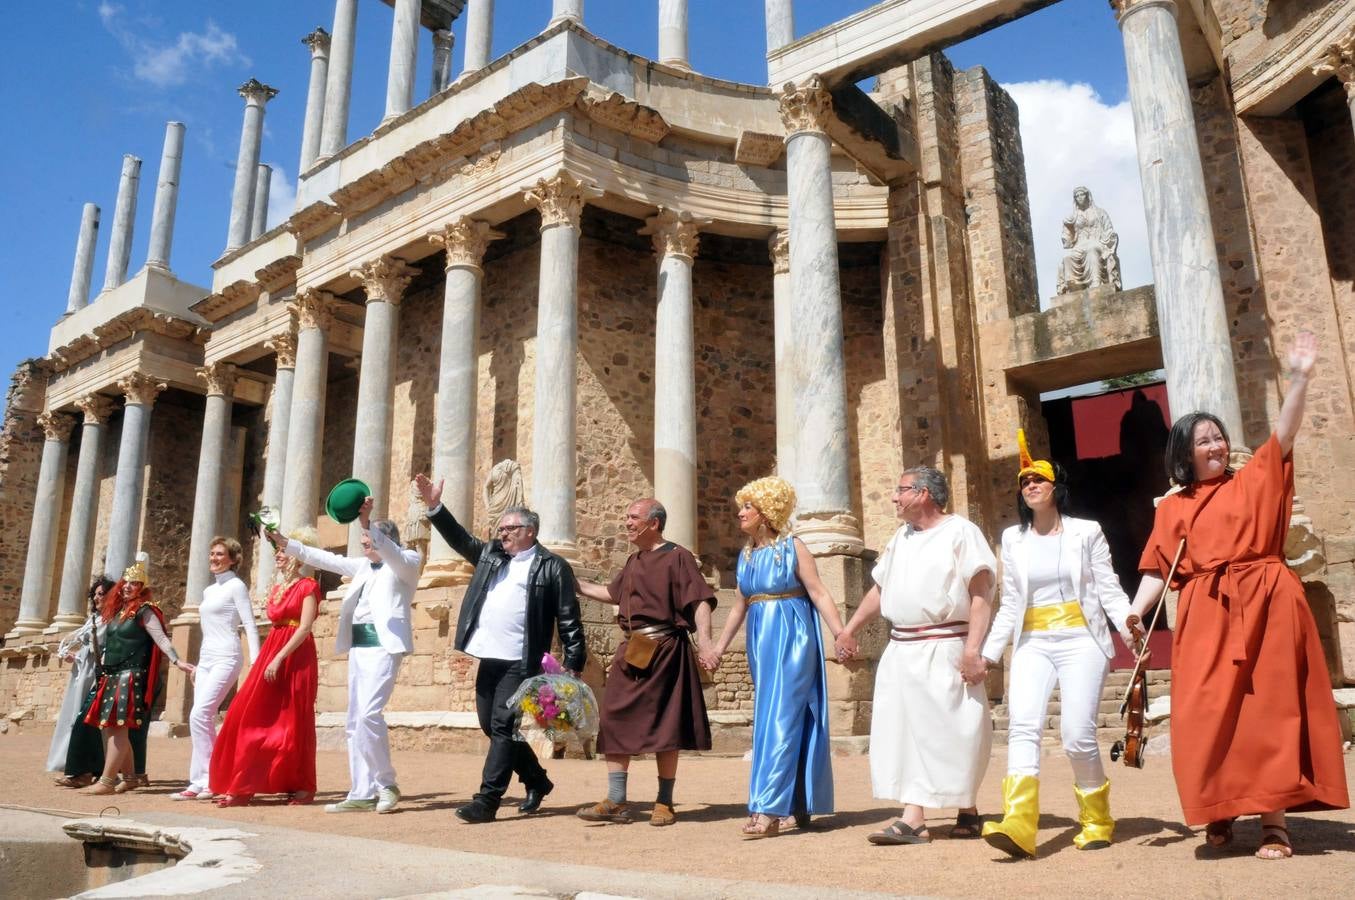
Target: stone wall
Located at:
point(21, 440)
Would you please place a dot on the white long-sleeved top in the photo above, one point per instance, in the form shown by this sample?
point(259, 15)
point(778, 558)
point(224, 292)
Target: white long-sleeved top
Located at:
point(225, 607)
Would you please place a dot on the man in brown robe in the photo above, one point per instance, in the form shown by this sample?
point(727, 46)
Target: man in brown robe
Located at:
point(652, 703)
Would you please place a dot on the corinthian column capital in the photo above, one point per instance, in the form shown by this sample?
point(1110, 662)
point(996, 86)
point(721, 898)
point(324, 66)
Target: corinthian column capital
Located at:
point(312, 308)
point(465, 241)
point(56, 426)
point(1339, 60)
point(674, 233)
point(140, 388)
point(384, 279)
point(1123, 8)
point(805, 107)
point(318, 41)
point(255, 91)
point(778, 245)
point(560, 199)
point(96, 407)
point(283, 345)
point(219, 378)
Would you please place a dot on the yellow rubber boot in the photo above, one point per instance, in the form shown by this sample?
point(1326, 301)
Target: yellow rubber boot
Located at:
point(1093, 811)
point(1015, 834)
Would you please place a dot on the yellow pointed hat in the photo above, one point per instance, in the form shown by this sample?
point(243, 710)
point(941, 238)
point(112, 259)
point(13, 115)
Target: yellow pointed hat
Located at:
point(137, 571)
point(1042, 467)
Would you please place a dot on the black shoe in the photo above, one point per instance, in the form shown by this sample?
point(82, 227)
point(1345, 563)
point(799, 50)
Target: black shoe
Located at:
point(534, 797)
point(474, 813)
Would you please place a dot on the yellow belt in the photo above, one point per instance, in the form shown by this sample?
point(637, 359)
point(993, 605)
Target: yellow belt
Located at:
point(294, 623)
point(1048, 618)
point(763, 598)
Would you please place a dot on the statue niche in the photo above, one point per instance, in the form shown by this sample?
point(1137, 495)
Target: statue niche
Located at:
point(1089, 237)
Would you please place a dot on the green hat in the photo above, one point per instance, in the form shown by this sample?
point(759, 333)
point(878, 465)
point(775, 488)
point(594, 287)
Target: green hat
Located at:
point(345, 499)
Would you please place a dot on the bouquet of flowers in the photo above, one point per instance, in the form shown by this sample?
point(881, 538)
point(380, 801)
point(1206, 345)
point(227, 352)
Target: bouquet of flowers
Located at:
point(561, 706)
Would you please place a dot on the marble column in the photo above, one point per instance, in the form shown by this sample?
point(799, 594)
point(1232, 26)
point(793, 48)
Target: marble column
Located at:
point(216, 426)
point(783, 342)
point(256, 95)
point(560, 200)
point(306, 419)
point(384, 281)
point(673, 34)
point(675, 240)
point(404, 58)
point(124, 522)
point(339, 79)
point(560, 11)
point(465, 241)
point(443, 41)
point(263, 177)
point(75, 569)
point(318, 42)
point(479, 36)
point(124, 218)
point(1197, 349)
point(166, 198)
point(83, 269)
point(36, 593)
point(780, 18)
point(1339, 61)
point(283, 346)
point(823, 445)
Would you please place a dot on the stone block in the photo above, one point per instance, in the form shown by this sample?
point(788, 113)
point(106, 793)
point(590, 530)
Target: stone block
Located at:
point(853, 680)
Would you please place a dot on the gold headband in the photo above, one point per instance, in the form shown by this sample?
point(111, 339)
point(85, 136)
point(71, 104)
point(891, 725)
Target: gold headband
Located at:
point(1042, 467)
point(137, 570)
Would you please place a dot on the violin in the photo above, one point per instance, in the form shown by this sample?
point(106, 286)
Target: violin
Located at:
point(1134, 707)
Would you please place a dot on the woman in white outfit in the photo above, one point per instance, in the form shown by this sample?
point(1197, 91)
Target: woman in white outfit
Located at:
point(1058, 590)
point(77, 648)
point(225, 608)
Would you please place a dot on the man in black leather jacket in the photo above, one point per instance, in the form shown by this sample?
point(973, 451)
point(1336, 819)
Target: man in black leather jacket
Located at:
point(519, 595)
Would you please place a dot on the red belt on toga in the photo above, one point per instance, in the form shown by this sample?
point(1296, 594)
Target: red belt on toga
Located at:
point(941, 631)
point(1225, 589)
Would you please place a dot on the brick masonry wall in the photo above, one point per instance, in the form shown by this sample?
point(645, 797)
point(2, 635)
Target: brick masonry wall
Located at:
point(21, 440)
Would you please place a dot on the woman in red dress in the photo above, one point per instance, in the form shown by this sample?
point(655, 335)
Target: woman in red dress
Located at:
point(267, 741)
point(1253, 725)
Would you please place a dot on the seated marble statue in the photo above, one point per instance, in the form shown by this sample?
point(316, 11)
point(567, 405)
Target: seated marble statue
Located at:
point(1092, 244)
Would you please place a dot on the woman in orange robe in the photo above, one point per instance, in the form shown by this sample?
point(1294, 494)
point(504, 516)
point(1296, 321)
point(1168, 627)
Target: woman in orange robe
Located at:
point(1253, 724)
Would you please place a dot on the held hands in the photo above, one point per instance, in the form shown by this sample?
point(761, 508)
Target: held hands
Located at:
point(1303, 355)
point(846, 646)
point(973, 667)
point(430, 493)
point(709, 658)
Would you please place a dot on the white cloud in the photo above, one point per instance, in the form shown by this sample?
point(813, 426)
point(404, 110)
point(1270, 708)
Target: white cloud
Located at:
point(169, 64)
point(281, 197)
point(1072, 137)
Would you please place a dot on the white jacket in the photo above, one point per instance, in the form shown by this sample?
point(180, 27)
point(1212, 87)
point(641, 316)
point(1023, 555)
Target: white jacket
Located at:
point(389, 589)
point(1098, 590)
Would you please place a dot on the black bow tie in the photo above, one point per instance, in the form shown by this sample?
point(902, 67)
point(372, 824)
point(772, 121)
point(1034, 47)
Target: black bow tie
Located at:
point(376, 566)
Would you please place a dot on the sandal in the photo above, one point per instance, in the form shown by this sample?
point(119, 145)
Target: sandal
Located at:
point(102, 786)
point(1219, 833)
point(126, 784)
point(234, 800)
point(74, 781)
point(301, 798)
point(900, 832)
point(761, 826)
point(967, 825)
point(799, 820)
point(1274, 838)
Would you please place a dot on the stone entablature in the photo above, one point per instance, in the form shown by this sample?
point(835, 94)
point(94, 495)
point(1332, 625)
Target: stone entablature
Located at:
point(1272, 65)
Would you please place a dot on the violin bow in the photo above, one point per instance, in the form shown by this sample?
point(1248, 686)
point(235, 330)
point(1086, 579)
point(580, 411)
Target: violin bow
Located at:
point(1161, 601)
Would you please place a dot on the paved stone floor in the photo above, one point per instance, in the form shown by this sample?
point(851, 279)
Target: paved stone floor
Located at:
point(423, 849)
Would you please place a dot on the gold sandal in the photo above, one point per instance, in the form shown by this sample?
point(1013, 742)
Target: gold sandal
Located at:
point(102, 786)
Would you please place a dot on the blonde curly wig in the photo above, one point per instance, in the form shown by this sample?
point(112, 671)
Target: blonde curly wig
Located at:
point(771, 496)
point(293, 569)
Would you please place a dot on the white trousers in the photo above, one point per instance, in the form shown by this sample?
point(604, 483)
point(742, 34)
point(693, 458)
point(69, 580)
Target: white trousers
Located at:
point(371, 681)
point(1070, 658)
point(211, 683)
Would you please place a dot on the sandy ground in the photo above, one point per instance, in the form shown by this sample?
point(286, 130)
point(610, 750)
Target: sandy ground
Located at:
point(1154, 854)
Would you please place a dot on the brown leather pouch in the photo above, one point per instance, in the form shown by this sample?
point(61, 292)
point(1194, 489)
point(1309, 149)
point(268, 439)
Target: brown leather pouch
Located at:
point(640, 650)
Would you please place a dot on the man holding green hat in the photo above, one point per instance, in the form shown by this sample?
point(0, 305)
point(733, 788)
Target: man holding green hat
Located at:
point(374, 630)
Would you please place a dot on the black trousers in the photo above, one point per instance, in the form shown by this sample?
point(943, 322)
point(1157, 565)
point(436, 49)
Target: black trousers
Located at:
point(495, 682)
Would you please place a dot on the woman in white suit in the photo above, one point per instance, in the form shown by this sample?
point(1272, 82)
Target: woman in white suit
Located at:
point(1058, 591)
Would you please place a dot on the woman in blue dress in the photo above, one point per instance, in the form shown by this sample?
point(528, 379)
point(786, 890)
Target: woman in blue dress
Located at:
point(782, 597)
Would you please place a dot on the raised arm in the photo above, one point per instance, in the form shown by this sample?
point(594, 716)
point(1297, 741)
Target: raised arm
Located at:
point(1302, 358)
point(457, 537)
point(402, 561)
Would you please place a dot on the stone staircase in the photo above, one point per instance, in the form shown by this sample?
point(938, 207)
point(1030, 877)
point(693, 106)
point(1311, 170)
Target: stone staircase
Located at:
point(1108, 714)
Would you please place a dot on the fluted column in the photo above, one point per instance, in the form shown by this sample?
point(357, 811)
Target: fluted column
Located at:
point(465, 241)
point(306, 422)
point(783, 343)
point(124, 525)
point(673, 33)
point(404, 58)
point(560, 200)
point(443, 41)
point(1197, 349)
point(318, 42)
point(283, 346)
point(339, 80)
point(216, 424)
point(780, 16)
point(384, 281)
point(75, 569)
point(1339, 61)
point(256, 95)
point(36, 594)
point(83, 269)
point(675, 240)
point(822, 460)
point(124, 218)
point(166, 198)
point(479, 35)
point(566, 9)
point(263, 177)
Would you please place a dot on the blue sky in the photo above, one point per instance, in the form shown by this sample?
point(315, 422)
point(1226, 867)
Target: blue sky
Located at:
point(90, 81)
